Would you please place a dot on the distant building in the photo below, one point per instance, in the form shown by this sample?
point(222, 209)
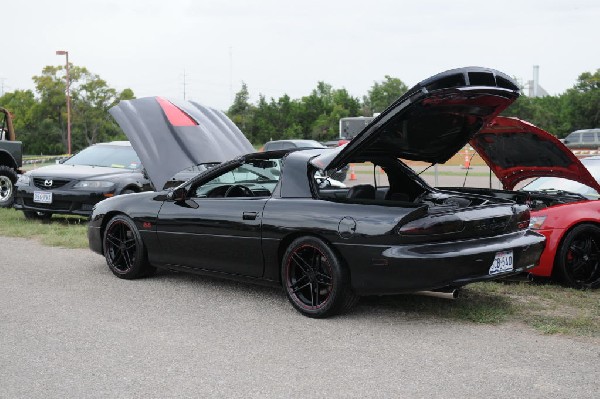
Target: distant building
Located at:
point(535, 90)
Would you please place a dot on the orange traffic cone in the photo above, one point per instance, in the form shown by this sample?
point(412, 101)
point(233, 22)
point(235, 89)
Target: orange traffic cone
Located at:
point(467, 164)
point(352, 173)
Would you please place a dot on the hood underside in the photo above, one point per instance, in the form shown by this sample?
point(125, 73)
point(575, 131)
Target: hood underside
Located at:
point(170, 136)
point(516, 150)
point(433, 120)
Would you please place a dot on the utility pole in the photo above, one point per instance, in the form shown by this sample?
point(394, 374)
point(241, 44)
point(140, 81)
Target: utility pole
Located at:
point(2, 86)
point(68, 95)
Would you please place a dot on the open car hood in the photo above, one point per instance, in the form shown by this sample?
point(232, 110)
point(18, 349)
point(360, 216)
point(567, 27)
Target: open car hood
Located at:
point(170, 136)
point(516, 150)
point(432, 121)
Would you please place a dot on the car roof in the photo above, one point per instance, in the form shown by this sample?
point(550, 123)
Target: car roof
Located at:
point(117, 143)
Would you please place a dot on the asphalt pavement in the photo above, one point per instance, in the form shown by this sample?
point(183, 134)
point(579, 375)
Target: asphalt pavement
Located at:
point(70, 329)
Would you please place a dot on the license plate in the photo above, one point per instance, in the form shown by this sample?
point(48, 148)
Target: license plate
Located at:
point(503, 262)
point(42, 197)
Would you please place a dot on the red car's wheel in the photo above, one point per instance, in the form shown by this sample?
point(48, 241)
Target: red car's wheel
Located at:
point(578, 258)
point(316, 282)
point(124, 249)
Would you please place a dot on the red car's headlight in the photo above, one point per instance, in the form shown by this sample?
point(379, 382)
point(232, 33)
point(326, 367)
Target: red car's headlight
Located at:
point(536, 222)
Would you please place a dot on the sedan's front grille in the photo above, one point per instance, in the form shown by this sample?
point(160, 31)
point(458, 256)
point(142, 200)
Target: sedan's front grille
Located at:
point(49, 184)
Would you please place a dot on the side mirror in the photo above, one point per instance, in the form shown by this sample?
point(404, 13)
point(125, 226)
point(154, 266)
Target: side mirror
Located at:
point(177, 195)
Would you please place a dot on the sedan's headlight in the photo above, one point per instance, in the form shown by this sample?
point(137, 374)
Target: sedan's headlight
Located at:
point(23, 180)
point(94, 184)
point(536, 222)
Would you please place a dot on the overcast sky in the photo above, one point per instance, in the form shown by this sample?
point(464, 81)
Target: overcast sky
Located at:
point(287, 46)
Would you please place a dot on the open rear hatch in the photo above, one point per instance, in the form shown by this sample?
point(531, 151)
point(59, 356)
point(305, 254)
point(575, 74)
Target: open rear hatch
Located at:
point(433, 120)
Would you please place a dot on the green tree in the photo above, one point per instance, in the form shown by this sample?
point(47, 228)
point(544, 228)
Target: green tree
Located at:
point(91, 97)
point(584, 101)
point(382, 95)
point(24, 108)
point(241, 112)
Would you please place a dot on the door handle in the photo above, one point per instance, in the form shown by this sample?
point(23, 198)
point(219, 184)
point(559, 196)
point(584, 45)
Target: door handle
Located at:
point(249, 215)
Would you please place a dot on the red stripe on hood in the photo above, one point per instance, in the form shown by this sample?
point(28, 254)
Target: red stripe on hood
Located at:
point(176, 116)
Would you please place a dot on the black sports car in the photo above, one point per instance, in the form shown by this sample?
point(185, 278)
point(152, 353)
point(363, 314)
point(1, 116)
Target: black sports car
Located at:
point(272, 216)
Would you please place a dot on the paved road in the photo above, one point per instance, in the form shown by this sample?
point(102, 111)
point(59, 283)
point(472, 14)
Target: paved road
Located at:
point(69, 328)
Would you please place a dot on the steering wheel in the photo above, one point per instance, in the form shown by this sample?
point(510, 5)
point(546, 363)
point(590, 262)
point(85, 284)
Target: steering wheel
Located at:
point(238, 190)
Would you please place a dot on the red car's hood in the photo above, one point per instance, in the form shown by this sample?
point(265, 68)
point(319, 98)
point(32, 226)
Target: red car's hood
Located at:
point(516, 150)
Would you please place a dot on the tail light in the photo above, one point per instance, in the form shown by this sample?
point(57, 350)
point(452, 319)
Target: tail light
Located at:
point(445, 224)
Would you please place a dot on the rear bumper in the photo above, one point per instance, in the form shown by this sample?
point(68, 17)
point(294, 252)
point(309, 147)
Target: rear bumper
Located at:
point(416, 267)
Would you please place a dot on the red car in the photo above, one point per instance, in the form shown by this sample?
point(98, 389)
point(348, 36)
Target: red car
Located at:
point(563, 197)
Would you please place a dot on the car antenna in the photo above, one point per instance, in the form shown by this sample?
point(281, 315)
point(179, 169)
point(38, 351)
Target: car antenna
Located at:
point(468, 167)
point(424, 170)
point(375, 176)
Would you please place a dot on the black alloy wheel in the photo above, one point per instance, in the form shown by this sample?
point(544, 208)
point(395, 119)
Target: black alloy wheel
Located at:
point(124, 249)
point(578, 258)
point(316, 282)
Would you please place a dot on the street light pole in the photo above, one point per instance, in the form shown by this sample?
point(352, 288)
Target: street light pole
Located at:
point(68, 94)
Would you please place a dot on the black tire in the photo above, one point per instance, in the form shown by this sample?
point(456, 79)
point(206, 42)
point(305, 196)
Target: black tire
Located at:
point(128, 191)
point(34, 215)
point(8, 178)
point(577, 261)
point(124, 249)
point(315, 280)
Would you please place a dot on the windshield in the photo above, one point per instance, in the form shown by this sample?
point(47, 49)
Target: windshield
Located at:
point(112, 156)
point(558, 183)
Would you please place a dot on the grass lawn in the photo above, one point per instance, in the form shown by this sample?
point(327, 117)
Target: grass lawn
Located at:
point(60, 231)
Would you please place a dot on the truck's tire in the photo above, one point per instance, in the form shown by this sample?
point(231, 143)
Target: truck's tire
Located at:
point(8, 178)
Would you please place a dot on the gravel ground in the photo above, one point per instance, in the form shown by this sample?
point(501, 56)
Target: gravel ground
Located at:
point(69, 328)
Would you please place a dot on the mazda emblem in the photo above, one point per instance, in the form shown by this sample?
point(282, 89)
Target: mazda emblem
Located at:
point(47, 183)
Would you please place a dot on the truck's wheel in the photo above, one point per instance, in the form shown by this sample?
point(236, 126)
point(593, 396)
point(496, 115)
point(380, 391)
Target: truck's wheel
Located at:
point(8, 178)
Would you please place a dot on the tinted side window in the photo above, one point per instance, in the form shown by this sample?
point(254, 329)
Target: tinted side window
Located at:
point(588, 137)
point(573, 138)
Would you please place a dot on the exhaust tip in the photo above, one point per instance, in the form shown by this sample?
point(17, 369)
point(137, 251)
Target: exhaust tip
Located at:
point(445, 294)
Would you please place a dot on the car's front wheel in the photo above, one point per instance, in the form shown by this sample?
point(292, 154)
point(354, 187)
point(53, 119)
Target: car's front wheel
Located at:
point(8, 178)
point(578, 258)
point(316, 282)
point(124, 249)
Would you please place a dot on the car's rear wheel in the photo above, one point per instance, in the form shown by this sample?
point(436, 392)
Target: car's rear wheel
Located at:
point(578, 258)
point(8, 178)
point(316, 282)
point(124, 249)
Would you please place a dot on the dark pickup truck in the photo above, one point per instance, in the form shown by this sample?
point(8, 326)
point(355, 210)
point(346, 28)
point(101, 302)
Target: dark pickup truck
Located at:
point(11, 159)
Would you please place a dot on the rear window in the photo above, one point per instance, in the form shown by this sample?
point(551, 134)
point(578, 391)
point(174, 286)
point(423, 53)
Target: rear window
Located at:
point(273, 146)
point(112, 156)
